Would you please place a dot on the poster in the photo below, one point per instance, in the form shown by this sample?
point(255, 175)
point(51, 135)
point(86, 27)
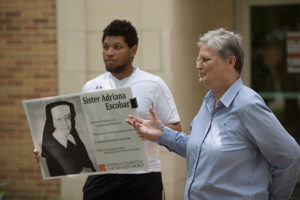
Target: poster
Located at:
point(293, 52)
point(85, 133)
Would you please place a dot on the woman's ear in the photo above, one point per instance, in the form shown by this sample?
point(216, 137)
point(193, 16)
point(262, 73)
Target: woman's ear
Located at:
point(231, 60)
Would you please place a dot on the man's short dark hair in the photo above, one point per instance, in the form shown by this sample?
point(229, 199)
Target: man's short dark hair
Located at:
point(122, 28)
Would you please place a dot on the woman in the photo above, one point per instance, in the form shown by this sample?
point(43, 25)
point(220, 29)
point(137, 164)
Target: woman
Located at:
point(62, 147)
point(237, 148)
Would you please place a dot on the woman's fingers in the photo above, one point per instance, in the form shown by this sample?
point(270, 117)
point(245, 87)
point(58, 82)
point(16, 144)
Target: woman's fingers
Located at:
point(136, 126)
point(153, 114)
point(129, 122)
point(139, 120)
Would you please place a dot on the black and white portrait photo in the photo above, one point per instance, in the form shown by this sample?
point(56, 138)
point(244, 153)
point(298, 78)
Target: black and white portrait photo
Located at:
point(62, 147)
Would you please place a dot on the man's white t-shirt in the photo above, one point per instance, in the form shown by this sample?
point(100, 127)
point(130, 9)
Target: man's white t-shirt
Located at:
point(149, 90)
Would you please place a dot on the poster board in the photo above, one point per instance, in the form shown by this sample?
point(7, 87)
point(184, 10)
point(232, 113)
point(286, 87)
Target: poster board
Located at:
point(96, 123)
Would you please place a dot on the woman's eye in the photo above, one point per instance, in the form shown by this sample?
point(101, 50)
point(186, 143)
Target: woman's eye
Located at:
point(205, 59)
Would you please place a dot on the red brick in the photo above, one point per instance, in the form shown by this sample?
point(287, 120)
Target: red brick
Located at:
point(40, 21)
point(5, 21)
point(13, 28)
point(13, 14)
point(5, 35)
point(14, 69)
point(31, 27)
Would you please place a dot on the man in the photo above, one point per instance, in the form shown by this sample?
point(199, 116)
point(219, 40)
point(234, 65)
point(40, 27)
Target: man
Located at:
point(62, 147)
point(120, 44)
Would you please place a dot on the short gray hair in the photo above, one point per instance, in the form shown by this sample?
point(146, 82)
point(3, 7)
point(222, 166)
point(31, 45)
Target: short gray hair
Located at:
point(225, 43)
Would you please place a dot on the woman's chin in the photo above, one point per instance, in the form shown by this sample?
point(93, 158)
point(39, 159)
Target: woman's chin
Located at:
point(202, 80)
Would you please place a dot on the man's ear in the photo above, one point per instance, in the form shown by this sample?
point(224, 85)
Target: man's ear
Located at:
point(133, 50)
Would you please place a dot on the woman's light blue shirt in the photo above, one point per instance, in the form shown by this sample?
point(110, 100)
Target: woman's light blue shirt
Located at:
point(237, 151)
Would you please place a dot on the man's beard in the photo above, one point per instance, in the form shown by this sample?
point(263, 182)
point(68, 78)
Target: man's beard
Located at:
point(117, 69)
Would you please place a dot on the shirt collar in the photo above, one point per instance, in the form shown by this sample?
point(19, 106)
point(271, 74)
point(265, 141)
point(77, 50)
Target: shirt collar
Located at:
point(231, 92)
point(227, 97)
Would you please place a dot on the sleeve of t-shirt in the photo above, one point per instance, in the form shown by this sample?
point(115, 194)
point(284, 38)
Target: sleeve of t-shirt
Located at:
point(164, 104)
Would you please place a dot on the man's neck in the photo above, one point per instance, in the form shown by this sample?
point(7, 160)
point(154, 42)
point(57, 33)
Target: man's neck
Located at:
point(124, 74)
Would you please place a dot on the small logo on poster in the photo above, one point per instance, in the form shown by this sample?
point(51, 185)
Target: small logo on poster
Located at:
point(102, 167)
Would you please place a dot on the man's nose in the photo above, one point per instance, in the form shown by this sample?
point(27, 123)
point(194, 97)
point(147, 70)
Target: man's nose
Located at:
point(110, 51)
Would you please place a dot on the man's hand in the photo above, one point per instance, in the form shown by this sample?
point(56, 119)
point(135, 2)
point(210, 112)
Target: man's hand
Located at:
point(36, 156)
point(147, 129)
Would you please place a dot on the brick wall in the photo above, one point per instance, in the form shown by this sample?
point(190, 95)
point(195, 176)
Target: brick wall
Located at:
point(28, 69)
